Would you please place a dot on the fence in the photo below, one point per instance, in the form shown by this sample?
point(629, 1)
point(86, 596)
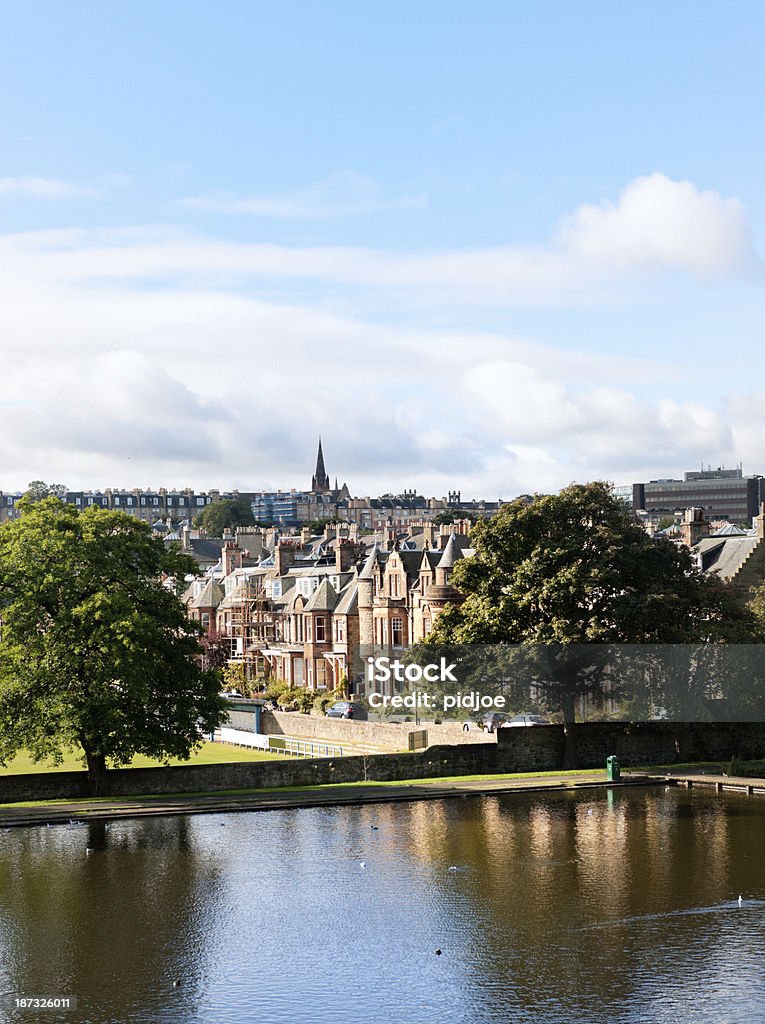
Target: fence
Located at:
point(290, 745)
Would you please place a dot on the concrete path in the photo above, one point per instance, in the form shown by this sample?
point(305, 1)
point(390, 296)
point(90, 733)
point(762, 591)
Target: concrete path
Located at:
point(743, 783)
point(107, 809)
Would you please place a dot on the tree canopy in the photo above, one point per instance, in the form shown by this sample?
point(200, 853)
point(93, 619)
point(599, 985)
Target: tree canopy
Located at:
point(96, 650)
point(227, 513)
point(574, 568)
point(38, 489)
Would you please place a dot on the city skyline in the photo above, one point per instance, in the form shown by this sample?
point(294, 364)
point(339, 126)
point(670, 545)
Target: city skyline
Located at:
point(499, 250)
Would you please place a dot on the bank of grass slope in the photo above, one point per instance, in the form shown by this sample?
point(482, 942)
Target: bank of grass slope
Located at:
point(208, 753)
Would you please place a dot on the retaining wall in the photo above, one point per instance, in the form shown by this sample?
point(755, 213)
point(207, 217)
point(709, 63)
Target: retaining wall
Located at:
point(634, 743)
point(516, 750)
point(389, 735)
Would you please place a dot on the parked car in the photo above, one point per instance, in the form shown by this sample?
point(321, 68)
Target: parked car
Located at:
point(525, 719)
point(340, 709)
point(231, 693)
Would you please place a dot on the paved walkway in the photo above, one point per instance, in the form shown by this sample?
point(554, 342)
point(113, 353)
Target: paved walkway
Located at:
point(107, 809)
point(720, 782)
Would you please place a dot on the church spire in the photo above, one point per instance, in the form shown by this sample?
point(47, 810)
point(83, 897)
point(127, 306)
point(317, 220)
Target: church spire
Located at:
point(320, 482)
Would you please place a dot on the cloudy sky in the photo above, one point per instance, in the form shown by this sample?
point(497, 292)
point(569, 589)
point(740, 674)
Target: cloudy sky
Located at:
point(494, 247)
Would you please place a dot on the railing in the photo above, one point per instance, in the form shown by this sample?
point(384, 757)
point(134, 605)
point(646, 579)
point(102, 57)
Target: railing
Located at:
point(278, 744)
point(303, 748)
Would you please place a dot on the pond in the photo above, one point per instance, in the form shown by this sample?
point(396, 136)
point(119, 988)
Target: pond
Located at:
point(603, 906)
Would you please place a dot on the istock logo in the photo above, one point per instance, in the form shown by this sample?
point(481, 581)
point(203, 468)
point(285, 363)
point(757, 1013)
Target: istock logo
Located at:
point(382, 670)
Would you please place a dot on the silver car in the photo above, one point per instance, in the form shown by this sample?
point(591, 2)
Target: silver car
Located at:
point(522, 720)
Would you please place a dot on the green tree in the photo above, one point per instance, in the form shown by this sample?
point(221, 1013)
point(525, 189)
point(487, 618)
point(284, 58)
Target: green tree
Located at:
point(38, 489)
point(226, 513)
point(575, 569)
point(96, 650)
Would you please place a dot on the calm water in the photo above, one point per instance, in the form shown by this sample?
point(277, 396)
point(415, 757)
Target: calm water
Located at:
point(608, 907)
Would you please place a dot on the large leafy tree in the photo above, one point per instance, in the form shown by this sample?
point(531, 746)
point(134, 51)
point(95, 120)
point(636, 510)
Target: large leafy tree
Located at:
point(227, 513)
point(575, 569)
point(96, 651)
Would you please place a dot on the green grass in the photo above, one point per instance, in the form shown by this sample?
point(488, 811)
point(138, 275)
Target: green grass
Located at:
point(275, 791)
point(208, 753)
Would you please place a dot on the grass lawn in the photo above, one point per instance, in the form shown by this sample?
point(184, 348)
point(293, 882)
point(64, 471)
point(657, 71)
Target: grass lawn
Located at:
point(444, 780)
point(208, 753)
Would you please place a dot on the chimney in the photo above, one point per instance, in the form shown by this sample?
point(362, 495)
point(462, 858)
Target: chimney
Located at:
point(284, 557)
point(345, 555)
point(693, 527)
point(305, 535)
point(231, 556)
point(186, 537)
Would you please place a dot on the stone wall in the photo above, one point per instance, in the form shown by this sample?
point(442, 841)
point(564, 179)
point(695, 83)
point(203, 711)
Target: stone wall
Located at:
point(516, 750)
point(388, 735)
point(634, 743)
point(435, 761)
point(452, 732)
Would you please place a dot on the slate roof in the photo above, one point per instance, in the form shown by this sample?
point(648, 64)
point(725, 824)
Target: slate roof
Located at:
point(730, 531)
point(368, 572)
point(451, 554)
point(348, 600)
point(205, 550)
point(323, 599)
point(725, 555)
point(210, 596)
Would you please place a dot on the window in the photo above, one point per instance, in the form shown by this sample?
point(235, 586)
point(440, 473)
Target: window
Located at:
point(116, 500)
point(321, 629)
point(130, 501)
point(143, 501)
point(339, 630)
point(200, 501)
point(397, 631)
point(308, 629)
point(155, 501)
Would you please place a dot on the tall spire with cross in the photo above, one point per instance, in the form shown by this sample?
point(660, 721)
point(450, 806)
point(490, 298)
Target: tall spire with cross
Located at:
point(320, 482)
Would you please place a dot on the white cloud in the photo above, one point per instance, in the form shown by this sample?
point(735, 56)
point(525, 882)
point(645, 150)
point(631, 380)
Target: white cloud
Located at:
point(341, 195)
point(43, 188)
point(661, 223)
point(147, 356)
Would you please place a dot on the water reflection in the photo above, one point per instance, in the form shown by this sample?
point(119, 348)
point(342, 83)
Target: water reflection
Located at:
point(603, 906)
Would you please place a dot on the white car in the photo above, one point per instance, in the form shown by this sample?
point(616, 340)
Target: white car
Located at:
point(525, 720)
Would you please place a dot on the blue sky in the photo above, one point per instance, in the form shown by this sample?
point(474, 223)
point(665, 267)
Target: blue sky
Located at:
point(496, 248)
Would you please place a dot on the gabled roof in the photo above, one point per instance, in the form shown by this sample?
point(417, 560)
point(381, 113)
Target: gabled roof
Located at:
point(323, 599)
point(210, 596)
point(348, 600)
point(411, 561)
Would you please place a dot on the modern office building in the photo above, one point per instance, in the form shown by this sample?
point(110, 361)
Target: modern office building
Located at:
point(720, 493)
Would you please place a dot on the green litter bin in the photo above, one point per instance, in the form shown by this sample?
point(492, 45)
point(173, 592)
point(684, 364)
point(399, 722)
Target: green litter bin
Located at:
point(613, 773)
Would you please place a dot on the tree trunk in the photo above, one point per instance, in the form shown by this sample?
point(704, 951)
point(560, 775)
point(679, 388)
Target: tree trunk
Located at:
point(570, 759)
point(96, 772)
